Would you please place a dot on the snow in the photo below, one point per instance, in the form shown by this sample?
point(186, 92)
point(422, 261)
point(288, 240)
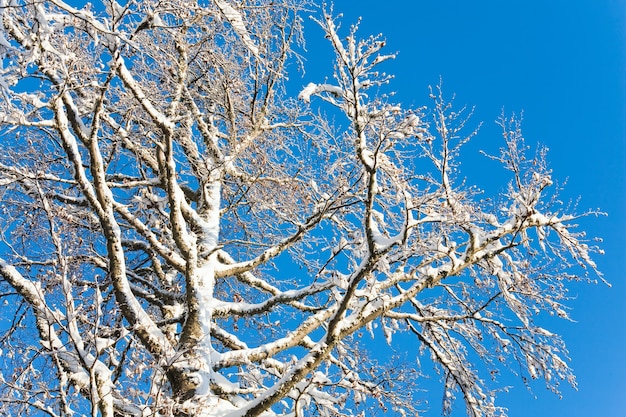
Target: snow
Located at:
point(103, 343)
point(368, 158)
point(210, 223)
point(313, 89)
point(307, 92)
point(156, 20)
point(236, 20)
point(130, 82)
point(118, 10)
point(4, 43)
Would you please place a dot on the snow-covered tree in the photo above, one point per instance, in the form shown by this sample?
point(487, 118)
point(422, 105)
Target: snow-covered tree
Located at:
point(181, 236)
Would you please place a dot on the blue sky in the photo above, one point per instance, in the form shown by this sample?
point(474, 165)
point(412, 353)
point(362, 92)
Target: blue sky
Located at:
point(563, 63)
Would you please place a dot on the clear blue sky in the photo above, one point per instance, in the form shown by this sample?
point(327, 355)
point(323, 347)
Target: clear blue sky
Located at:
point(563, 63)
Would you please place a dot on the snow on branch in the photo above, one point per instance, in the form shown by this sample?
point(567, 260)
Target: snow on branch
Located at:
point(191, 238)
point(236, 20)
point(313, 89)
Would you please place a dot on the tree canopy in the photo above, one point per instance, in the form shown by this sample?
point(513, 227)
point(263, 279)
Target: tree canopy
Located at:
point(181, 235)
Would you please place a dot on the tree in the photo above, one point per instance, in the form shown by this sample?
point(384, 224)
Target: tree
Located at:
point(181, 236)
